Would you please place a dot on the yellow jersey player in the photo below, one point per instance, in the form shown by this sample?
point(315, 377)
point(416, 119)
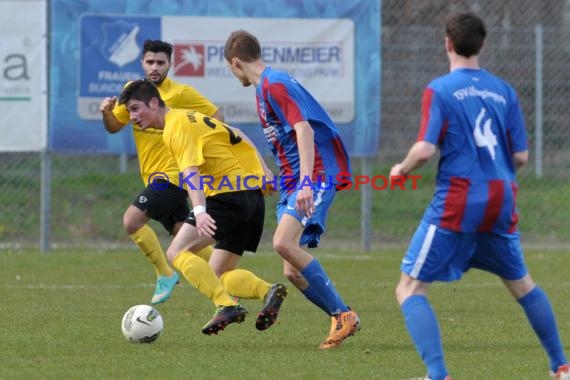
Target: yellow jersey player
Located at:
point(162, 199)
point(224, 175)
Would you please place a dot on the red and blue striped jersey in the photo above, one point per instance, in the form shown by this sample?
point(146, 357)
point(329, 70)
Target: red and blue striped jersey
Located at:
point(476, 121)
point(281, 103)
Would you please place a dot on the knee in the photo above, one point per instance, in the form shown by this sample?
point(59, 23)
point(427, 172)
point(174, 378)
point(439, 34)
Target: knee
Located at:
point(282, 247)
point(525, 289)
point(219, 271)
point(520, 288)
point(408, 287)
point(131, 223)
point(171, 255)
point(400, 294)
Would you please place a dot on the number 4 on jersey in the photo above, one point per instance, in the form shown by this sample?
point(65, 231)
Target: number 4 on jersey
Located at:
point(484, 137)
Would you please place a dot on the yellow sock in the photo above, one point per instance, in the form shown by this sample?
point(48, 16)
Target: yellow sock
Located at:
point(148, 243)
point(205, 253)
point(244, 284)
point(202, 277)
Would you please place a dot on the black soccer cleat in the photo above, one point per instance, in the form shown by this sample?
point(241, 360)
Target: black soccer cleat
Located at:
point(224, 316)
point(272, 303)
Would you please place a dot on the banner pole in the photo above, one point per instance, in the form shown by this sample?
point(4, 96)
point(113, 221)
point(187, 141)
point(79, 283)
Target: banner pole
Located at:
point(45, 202)
point(366, 209)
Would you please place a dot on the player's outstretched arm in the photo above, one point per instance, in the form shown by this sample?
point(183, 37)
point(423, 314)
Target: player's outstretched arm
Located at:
point(420, 153)
point(112, 125)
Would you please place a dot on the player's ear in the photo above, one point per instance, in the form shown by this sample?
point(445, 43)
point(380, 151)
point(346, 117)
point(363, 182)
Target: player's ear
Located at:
point(448, 45)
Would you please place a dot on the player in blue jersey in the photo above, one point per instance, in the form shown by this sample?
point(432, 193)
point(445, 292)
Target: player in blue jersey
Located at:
point(313, 165)
point(475, 120)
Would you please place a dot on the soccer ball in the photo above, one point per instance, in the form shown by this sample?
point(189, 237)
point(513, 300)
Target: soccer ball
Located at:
point(142, 324)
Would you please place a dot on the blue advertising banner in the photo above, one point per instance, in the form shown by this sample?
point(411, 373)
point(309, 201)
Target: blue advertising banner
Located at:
point(110, 52)
point(331, 46)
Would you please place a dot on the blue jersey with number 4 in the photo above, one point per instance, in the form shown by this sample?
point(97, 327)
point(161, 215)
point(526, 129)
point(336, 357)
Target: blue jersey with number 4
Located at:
point(476, 121)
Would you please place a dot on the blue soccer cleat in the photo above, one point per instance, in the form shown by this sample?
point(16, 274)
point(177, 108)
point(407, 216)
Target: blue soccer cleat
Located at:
point(164, 287)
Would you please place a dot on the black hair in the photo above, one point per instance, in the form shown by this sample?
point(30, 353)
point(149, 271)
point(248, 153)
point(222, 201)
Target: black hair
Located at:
point(157, 46)
point(143, 90)
point(467, 33)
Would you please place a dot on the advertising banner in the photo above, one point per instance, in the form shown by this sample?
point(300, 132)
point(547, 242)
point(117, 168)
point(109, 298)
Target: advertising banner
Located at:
point(23, 68)
point(319, 50)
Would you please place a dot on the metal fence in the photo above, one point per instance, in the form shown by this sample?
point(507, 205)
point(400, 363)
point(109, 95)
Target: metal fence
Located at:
point(528, 44)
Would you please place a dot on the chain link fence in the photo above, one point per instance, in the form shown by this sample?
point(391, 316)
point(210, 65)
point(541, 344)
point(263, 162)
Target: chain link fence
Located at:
point(528, 44)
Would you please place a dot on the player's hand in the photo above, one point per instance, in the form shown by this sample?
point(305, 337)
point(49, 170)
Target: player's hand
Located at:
point(108, 104)
point(269, 183)
point(305, 204)
point(397, 170)
point(205, 224)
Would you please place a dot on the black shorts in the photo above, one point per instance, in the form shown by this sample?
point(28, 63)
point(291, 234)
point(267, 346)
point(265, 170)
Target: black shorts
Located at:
point(239, 220)
point(167, 206)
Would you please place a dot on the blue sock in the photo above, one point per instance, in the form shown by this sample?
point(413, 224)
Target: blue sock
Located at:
point(322, 287)
point(314, 298)
point(424, 330)
point(541, 317)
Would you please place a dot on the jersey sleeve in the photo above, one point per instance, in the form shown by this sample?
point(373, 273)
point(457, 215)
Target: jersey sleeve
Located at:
point(120, 111)
point(432, 117)
point(286, 103)
point(185, 146)
point(516, 128)
point(191, 99)
point(121, 114)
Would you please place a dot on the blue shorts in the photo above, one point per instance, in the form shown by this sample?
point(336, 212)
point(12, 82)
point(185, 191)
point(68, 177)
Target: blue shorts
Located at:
point(315, 225)
point(437, 254)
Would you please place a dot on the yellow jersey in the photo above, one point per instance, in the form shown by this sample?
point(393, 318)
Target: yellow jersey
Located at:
point(226, 162)
point(153, 155)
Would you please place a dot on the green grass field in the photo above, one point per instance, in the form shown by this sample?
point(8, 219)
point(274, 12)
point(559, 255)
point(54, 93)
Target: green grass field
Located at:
point(62, 312)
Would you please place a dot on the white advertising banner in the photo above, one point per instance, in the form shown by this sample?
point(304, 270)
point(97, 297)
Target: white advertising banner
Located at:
point(317, 52)
point(23, 71)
